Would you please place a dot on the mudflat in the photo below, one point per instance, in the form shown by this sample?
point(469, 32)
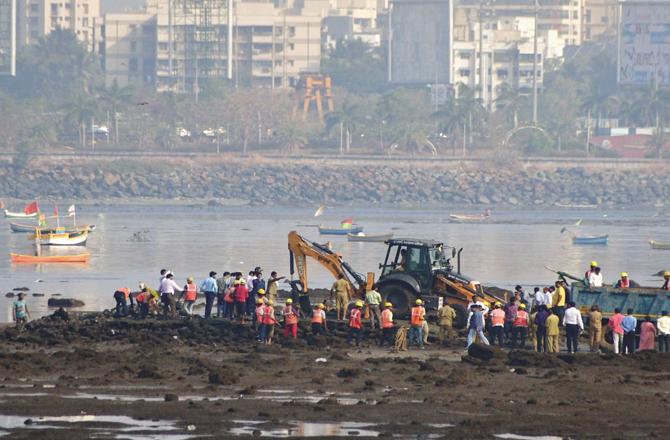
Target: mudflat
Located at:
point(93, 376)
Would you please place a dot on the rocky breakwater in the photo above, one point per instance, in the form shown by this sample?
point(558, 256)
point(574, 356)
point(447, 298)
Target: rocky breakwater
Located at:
point(286, 182)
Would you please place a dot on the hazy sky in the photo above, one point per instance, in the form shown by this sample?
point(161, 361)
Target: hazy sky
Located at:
point(120, 5)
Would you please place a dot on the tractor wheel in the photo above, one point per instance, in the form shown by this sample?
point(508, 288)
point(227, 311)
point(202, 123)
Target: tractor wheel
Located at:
point(400, 297)
point(461, 316)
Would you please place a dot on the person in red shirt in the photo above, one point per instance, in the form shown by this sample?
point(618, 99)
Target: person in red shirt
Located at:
point(617, 330)
point(388, 327)
point(241, 295)
point(269, 321)
point(520, 327)
point(290, 320)
point(355, 323)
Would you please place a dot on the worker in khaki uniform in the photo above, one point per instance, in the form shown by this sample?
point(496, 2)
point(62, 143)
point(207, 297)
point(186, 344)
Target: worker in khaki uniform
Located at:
point(552, 332)
point(595, 328)
point(342, 291)
point(446, 316)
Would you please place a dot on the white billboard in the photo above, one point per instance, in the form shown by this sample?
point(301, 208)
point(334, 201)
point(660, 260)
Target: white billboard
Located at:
point(644, 43)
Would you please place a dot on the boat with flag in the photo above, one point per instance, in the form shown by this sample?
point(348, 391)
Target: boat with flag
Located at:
point(346, 227)
point(64, 239)
point(31, 210)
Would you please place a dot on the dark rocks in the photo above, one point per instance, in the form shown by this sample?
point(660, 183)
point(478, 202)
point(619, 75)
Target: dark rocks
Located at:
point(485, 353)
point(65, 302)
point(171, 397)
point(21, 289)
point(280, 182)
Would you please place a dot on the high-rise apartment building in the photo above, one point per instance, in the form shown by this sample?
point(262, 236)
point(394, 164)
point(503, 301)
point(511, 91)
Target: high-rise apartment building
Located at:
point(37, 18)
point(600, 18)
point(129, 49)
point(8, 37)
point(269, 45)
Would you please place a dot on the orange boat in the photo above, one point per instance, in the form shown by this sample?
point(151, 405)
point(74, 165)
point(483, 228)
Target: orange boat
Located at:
point(79, 258)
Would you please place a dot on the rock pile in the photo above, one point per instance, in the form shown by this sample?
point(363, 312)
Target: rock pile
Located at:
point(290, 183)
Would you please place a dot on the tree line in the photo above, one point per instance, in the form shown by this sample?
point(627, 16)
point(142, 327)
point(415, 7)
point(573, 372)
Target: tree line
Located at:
point(59, 98)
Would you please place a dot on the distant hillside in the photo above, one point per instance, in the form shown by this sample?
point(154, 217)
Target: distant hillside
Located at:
point(121, 5)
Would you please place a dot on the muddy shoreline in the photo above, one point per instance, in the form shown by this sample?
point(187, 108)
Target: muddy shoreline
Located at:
point(181, 379)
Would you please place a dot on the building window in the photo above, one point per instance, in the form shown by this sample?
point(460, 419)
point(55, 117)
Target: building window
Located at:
point(84, 21)
point(575, 15)
point(604, 19)
point(502, 73)
point(132, 27)
point(291, 31)
point(291, 46)
point(588, 16)
point(132, 65)
point(464, 55)
point(85, 7)
point(464, 72)
point(54, 9)
point(133, 46)
point(162, 46)
point(35, 8)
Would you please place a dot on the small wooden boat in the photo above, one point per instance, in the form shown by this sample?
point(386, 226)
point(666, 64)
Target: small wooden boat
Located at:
point(34, 259)
point(10, 214)
point(380, 238)
point(575, 206)
point(19, 227)
point(466, 218)
point(589, 239)
point(66, 239)
point(659, 245)
point(340, 231)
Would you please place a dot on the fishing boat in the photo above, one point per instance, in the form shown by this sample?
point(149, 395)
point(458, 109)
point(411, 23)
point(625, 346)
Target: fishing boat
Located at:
point(380, 238)
point(11, 214)
point(65, 239)
point(19, 227)
point(467, 218)
point(35, 259)
point(589, 239)
point(340, 231)
point(659, 245)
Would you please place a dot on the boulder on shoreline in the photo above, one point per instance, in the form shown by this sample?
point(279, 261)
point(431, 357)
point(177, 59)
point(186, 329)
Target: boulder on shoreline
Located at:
point(65, 302)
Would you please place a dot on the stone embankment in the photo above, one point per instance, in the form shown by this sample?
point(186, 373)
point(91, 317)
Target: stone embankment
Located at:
point(286, 182)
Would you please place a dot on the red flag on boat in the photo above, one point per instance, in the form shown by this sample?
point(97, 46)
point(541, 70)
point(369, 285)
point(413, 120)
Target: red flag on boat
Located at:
point(347, 223)
point(31, 208)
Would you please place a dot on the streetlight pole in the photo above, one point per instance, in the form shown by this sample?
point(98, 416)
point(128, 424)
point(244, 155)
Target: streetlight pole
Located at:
point(535, 66)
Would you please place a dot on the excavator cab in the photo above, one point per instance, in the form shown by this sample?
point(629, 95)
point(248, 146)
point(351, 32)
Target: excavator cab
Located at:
point(409, 270)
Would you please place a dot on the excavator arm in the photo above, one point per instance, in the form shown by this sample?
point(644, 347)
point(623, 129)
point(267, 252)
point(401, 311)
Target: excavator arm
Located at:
point(300, 249)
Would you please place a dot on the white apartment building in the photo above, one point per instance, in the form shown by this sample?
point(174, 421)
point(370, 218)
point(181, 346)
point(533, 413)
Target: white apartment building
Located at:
point(129, 49)
point(506, 57)
point(37, 18)
point(271, 45)
point(7, 37)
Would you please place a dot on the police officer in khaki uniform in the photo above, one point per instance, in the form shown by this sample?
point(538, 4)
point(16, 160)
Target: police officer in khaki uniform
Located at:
point(446, 316)
point(342, 291)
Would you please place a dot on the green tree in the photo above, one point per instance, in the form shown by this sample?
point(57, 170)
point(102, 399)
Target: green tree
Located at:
point(356, 66)
point(81, 110)
point(511, 102)
point(114, 99)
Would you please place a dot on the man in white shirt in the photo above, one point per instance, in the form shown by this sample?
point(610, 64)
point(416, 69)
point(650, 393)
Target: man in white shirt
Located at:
point(596, 278)
point(538, 297)
point(663, 325)
point(167, 289)
point(574, 325)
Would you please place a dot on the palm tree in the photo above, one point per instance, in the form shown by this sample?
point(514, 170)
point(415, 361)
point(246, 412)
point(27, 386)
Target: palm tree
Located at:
point(114, 98)
point(411, 137)
point(659, 141)
point(652, 106)
point(462, 115)
point(344, 123)
point(511, 101)
point(293, 137)
point(78, 112)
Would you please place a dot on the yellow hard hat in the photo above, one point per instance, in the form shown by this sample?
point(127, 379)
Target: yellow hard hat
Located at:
point(594, 264)
point(259, 301)
point(499, 304)
point(666, 274)
point(236, 283)
point(359, 303)
point(321, 306)
point(624, 274)
point(261, 291)
point(522, 306)
point(189, 279)
point(418, 301)
point(289, 301)
point(388, 304)
point(271, 303)
point(243, 281)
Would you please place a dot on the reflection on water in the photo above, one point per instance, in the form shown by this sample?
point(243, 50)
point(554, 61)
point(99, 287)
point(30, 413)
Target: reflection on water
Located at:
point(307, 429)
point(513, 248)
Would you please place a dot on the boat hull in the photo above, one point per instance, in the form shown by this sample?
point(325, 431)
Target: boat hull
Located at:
point(340, 231)
point(71, 239)
point(34, 259)
point(10, 214)
point(369, 238)
point(17, 227)
point(659, 246)
point(457, 218)
point(595, 240)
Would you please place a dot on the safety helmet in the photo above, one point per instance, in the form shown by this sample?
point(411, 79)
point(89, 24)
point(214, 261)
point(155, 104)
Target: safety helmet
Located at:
point(497, 304)
point(321, 306)
point(236, 283)
point(624, 274)
point(189, 279)
point(289, 301)
point(259, 301)
point(522, 306)
point(270, 302)
point(388, 304)
point(359, 303)
point(418, 302)
point(594, 264)
point(666, 274)
point(243, 281)
point(261, 291)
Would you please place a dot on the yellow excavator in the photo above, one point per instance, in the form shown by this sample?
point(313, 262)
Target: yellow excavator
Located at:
point(412, 269)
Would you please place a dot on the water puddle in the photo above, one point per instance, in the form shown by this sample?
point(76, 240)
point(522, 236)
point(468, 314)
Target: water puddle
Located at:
point(306, 429)
point(509, 436)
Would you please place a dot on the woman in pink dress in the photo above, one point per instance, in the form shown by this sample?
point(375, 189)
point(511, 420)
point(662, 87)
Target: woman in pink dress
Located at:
point(647, 335)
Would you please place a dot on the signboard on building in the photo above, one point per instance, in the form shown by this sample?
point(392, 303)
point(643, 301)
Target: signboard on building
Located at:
point(644, 43)
point(421, 41)
point(7, 37)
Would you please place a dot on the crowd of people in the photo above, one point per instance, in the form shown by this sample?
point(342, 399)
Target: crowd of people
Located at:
point(532, 321)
